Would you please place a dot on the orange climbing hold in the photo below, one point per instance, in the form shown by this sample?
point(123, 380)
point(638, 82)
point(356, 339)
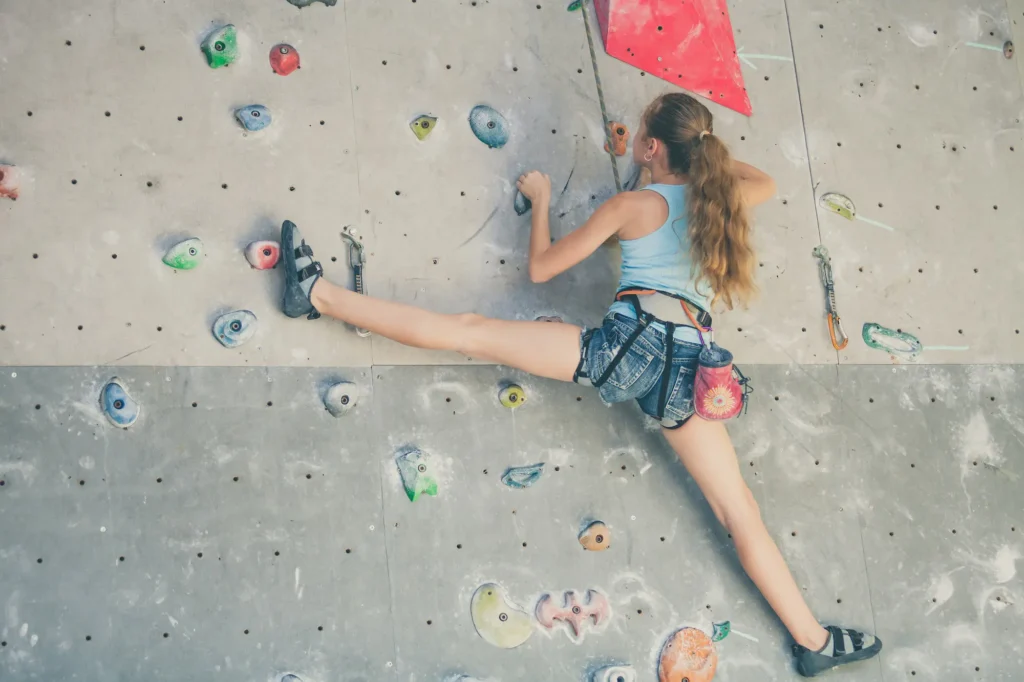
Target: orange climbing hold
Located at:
point(10, 182)
point(619, 137)
point(284, 59)
point(688, 655)
point(689, 44)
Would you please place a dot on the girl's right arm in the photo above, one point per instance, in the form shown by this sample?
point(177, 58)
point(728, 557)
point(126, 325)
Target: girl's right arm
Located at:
point(756, 186)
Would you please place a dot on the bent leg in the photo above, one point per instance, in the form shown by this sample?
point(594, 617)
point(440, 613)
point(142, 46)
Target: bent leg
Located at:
point(546, 349)
point(707, 453)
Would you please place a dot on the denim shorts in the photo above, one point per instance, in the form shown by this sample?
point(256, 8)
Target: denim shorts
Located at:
point(641, 373)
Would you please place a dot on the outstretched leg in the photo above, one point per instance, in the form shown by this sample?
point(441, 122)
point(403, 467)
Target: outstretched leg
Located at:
point(706, 451)
point(546, 349)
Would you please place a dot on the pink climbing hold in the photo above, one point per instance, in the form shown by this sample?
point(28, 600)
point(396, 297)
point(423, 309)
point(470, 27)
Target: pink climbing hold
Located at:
point(10, 181)
point(284, 59)
point(573, 612)
point(263, 255)
point(689, 44)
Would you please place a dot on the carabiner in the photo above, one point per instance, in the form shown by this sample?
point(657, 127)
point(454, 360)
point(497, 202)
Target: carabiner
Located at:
point(356, 259)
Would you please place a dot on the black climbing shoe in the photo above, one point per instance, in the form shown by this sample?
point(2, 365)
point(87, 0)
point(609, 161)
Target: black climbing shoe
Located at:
point(300, 273)
point(843, 646)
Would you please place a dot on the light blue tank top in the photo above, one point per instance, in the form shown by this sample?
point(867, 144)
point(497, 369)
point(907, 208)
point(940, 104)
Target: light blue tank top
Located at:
point(661, 260)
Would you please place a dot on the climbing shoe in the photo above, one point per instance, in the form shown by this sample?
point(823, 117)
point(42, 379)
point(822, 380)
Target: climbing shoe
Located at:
point(300, 273)
point(843, 646)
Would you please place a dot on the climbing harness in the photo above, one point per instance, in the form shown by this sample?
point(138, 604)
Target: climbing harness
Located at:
point(835, 324)
point(609, 140)
point(356, 259)
point(720, 389)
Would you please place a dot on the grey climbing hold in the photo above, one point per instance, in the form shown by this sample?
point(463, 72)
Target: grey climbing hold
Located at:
point(341, 398)
point(235, 328)
point(290, 677)
point(489, 126)
point(254, 117)
point(119, 407)
point(521, 204)
point(306, 3)
point(522, 477)
point(1008, 49)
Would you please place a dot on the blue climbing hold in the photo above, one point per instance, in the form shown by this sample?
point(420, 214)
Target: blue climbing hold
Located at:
point(521, 204)
point(119, 407)
point(235, 328)
point(489, 126)
point(253, 117)
point(522, 477)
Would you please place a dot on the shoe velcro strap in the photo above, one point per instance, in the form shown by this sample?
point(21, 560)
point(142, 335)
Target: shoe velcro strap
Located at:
point(310, 270)
point(858, 640)
point(303, 250)
point(838, 641)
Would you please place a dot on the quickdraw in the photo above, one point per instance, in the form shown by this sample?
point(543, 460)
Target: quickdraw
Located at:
point(356, 259)
point(835, 324)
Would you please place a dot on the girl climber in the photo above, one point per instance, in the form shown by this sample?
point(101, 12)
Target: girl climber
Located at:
point(685, 247)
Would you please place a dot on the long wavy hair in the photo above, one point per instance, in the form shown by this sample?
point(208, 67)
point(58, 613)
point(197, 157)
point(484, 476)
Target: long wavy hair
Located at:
point(719, 230)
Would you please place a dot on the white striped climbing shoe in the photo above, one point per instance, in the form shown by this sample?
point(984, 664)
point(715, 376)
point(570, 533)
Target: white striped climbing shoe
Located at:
point(843, 646)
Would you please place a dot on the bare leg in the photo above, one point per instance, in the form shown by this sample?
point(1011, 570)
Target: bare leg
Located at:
point(706, 451)
point(546, 349)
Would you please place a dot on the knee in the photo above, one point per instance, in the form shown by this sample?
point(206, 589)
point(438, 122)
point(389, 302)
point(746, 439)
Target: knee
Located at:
point(470, 327)
point(738, 513)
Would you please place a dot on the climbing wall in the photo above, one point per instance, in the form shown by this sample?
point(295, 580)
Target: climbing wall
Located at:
point(237, 529)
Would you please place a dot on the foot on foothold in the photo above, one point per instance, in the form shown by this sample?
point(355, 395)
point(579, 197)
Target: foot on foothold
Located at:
point(300, 273)
point(843, 646)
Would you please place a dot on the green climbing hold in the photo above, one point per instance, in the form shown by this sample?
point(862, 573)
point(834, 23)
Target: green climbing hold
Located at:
point(185, 255)
point(721, 631)
point(422, 126)
point(838, 203)
point(894, 342)
point(417, 474)
point(221, 47)
point(574, 6)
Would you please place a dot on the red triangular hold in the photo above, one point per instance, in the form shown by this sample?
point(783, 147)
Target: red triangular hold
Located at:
point(688, 43)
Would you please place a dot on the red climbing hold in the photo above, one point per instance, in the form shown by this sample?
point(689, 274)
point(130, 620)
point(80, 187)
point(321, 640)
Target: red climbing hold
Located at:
point(688, 44)
point(9, 182)
point(284, 59)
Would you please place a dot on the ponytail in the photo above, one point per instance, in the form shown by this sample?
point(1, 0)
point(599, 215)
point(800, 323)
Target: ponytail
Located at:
point(719, 230)
point(718, 226)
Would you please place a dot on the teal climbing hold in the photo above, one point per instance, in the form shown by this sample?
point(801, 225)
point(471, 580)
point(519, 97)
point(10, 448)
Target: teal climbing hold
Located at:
point(185, 255)
point(119, 407)
point(720, 631)
point(417, 474)
point(489, 126)
point(894, 342)
point(221, 47)
point(254, 117)
point(235, 328)
point(574, 6)
point(522, 477)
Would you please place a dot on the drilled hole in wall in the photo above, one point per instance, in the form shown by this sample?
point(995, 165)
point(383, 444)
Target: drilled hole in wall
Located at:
point(74, 181)
point(107, 114)
point(224, 186)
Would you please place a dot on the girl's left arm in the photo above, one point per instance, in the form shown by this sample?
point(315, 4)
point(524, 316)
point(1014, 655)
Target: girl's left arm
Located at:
point(548, 260)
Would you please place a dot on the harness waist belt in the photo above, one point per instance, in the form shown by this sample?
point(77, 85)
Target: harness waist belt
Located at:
point(665, 307)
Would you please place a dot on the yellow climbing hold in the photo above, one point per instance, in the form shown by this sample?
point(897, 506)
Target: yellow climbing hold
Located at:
point(498, 621)
point(512, 396)
point(422, 126)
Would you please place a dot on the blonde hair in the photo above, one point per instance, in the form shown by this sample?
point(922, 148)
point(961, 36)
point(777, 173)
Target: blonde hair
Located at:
point(719, 230)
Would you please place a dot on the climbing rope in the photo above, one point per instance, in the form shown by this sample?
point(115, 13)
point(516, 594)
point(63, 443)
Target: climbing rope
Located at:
point(610, 146)
point(835, 325)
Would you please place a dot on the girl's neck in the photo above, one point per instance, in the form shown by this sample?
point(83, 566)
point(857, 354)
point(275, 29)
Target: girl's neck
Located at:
point(662, 176)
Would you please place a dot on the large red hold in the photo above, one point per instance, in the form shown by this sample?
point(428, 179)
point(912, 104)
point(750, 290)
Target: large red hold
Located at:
point(284, 59)
point(688, 43)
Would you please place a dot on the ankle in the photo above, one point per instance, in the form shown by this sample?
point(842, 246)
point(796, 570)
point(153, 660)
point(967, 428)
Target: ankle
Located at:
point(315, 294)
point(814, 639)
